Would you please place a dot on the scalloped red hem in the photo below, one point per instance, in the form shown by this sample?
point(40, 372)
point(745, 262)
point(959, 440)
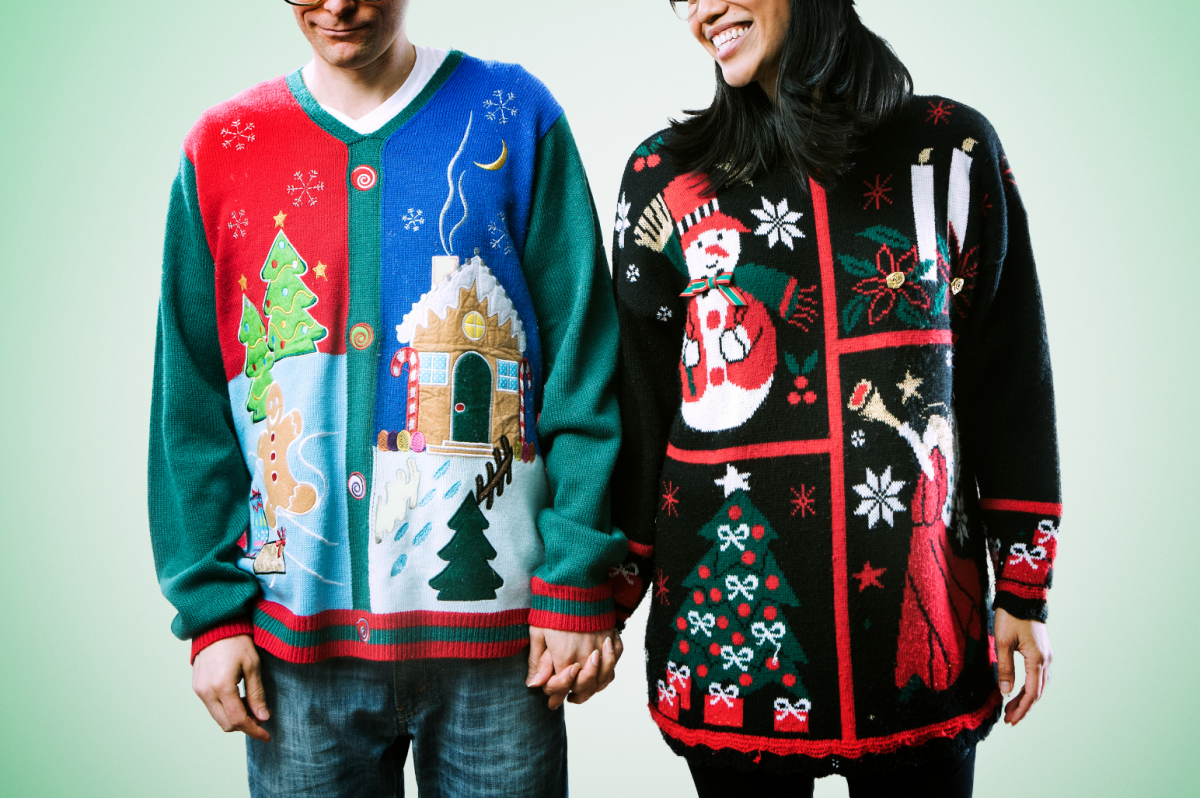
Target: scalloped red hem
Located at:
point(851, 749)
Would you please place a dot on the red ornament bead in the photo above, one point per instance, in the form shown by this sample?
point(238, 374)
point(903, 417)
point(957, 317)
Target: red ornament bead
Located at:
point(704, 572)
point(653, 160)
point(683, 646)
point(702, 671)
point(715, 595)
point(773, 664)
point(681, 623)
point(744, 680)
point(723, 622)
point(772, 582)
point(769, 613)
point(758, 531)
point(714, 649)
point(749, 557)
point(735, 512)
point(698, 597)
point(738, 638)
point(743, 609)
point(802, 382)
point(789, 680)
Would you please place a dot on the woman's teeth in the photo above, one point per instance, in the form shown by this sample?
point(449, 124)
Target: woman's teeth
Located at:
point(726, 36)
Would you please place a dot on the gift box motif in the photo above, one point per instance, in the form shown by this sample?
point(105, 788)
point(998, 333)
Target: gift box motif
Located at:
point(792, 717)
point(722, 707)
point(626, 584)
point(680, 677)
point(668, 700)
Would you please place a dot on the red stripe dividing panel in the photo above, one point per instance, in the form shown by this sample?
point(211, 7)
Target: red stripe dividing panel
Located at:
point(892, 340)
point(752, 452)
point(431, 649)
point(394, 620)
point(1016, 506)
point(837, 474)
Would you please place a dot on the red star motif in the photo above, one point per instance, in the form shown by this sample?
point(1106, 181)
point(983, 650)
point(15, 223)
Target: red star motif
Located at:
point(661, 591)
point(1008, 172)
point(802, 501)
point(670, 501)
point(878, 193)
point(869, 577)
point(939, 112)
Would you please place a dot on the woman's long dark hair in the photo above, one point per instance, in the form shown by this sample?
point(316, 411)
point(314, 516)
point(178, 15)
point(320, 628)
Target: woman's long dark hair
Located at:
point(837, 81)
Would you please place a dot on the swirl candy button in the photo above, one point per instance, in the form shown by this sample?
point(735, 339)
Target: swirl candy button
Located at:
point(361, 336)
point(363, 177)
point(357, 485)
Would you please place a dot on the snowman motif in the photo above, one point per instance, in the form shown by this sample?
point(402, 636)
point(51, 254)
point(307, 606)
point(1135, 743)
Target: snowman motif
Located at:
point(729, 352)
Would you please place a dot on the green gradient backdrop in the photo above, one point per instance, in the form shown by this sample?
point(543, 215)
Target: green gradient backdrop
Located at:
point(1096, 103)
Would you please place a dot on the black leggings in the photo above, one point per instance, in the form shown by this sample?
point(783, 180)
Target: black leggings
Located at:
point(949, 778)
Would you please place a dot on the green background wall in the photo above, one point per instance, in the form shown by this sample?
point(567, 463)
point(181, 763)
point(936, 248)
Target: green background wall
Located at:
point(1097, 105)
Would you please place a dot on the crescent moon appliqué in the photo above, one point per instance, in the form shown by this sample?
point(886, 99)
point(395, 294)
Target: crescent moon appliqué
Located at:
point(498, 164)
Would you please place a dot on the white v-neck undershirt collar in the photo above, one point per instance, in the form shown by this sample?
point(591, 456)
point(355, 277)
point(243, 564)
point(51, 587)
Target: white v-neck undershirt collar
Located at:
point(427, 63)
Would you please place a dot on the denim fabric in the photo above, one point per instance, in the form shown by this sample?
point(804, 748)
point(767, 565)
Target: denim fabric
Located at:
point(342, 727)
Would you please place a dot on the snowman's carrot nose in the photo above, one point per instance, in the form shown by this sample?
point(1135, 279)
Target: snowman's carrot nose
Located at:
point(716, 249)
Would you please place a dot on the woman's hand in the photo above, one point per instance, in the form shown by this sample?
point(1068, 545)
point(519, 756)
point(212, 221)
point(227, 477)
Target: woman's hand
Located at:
point(1032, 641)
point(579, 663)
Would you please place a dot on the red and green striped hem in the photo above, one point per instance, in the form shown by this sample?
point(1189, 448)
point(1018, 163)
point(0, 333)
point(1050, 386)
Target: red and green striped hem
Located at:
point(572, 609)
point(233, 629)
point(389, 637)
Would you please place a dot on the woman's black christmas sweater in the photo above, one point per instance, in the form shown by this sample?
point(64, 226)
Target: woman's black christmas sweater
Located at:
point(837, 405)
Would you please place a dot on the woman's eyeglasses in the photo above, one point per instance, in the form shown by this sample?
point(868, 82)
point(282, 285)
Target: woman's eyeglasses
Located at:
point(684, 9)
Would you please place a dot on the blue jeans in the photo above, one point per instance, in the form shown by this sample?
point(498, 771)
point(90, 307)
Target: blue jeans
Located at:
point(342, 727)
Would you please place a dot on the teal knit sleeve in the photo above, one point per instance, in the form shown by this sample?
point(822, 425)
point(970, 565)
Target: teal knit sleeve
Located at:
point(579, 427)
point(197, 479)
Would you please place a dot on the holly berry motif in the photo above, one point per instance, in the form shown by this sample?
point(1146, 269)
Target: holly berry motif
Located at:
point(731, 631)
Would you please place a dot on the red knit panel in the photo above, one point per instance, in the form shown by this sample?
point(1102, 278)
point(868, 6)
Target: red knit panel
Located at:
point(1016, 506)
point(263, 167)
point(394, 620)
point(382, 653)
point(568, 593)
point(572, 623)
point(1032, 592)
point(219, 633)
point(640, 549)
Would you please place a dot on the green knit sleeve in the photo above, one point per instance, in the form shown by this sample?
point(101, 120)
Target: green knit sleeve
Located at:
point(579, 427)
point(197, 479)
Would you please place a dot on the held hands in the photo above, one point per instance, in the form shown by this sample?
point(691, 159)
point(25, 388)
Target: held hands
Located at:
point(216, 672)
point(1032, 641)
point(579, 663)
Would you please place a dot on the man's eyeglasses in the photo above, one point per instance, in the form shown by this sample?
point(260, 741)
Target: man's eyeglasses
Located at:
point(684, 9)
point(318, 2)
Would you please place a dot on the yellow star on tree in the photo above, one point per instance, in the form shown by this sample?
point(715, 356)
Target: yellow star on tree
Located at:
point(279, 217)
point(319, 270)
point(910, 386)
point(242, 282)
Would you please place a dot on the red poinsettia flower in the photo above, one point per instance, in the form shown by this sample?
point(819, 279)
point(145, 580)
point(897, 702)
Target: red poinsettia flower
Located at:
point(896, 277)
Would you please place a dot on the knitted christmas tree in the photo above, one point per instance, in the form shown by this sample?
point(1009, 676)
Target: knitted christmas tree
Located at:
point(733, 640)
point(291, 329)
point(259, 359)
point(468, 577)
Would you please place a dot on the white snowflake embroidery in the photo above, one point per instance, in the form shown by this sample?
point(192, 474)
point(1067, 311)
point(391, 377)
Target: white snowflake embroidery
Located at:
point(237, 135)
point(664, 313)
point(777, 223)
point(413, 219)
point(858, 438)
point(879, 498)
point(238, 223)
point(622, 220)
point(499, 110)
point(632, 274)
point(498, 235)
point(306, 188)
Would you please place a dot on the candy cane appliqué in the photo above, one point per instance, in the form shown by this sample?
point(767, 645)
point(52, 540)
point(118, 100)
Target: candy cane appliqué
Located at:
point(409, 357)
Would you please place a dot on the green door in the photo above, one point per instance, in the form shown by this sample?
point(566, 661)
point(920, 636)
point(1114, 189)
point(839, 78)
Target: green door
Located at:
point(471, 413)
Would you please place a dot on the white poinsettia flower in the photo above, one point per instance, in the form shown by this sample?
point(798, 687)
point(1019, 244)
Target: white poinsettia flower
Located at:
point(622, 220)
point(879, 498)
point(778, 223)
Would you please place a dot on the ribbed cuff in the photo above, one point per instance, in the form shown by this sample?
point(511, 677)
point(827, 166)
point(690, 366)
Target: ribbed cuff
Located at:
point(220, 633)
point(572, 609)
point(1023, 609)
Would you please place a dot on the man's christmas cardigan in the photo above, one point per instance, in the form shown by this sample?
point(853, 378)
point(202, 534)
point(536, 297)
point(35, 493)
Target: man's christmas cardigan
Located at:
point(836, 403)
point(383, 417)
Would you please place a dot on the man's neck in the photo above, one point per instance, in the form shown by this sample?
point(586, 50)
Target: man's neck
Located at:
point(358, 92)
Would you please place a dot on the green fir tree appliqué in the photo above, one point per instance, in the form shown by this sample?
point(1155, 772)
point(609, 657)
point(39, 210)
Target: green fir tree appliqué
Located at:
point(291, 329)
point(731, 629)
point(468, 577)
point(259, 360)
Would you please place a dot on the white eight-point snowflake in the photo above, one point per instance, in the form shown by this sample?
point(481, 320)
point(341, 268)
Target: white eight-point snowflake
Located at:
point(622, 220)
point(238, 223)
point(498, 235)
point(306, 188)
point(500, 109)
point(778, 223)
point(879, 498)
point(413, 219)
point(664, 313)
point(237, 135)
point(858, 438)
point(632, 274)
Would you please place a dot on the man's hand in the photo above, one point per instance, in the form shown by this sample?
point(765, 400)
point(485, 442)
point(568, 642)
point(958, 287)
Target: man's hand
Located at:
point(216, 672)
point(579, 663)
point(1029, 638)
